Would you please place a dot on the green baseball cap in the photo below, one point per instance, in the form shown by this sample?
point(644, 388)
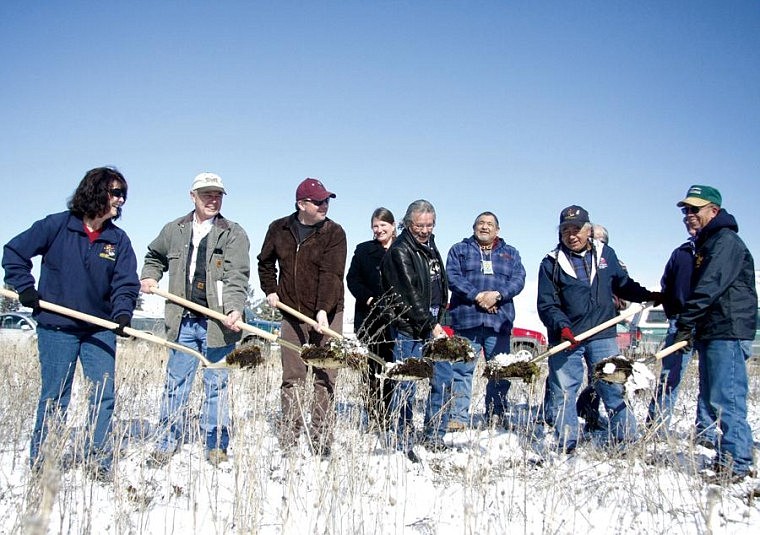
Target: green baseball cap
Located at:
point(701, 196)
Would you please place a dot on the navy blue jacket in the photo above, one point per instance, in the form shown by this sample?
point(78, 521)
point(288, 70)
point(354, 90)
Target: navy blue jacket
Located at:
point(99, 279)
point(723, 301)
point(676, 279)
point(564, 301)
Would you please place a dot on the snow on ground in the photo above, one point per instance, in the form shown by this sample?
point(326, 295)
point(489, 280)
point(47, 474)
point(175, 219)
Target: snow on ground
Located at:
point(490, 480)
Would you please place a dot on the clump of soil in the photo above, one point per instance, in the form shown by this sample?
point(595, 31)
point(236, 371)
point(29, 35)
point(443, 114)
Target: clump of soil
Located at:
point(332, 356)
point(245, 356)
point(449, 348)
point(613, 369)
point(410, 370)
point(525, 370)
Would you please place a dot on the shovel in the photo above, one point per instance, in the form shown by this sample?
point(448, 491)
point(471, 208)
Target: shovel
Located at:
point(261, 333)
point(619, 369)
point(350, 347)
point(527, 369)
point(58, 309)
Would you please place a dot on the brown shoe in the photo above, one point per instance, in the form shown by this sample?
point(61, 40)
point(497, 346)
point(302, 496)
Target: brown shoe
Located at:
point(217, 456)
point(455, 425)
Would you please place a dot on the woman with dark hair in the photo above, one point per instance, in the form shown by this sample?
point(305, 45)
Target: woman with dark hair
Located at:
point(370, 324)
point(88, 265)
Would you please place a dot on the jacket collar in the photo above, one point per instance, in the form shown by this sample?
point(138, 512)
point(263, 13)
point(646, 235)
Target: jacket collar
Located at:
point(219, 221)
point(559, 255)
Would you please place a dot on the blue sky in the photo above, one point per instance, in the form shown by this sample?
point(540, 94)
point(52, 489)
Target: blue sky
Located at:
point(521, 108)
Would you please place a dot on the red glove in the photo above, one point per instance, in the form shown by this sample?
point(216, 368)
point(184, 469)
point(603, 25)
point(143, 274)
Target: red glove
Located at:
point(448, 330)
point(567, 335)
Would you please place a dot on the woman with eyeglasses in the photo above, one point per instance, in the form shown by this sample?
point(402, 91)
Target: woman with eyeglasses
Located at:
point(88, 265)
point(371, 313)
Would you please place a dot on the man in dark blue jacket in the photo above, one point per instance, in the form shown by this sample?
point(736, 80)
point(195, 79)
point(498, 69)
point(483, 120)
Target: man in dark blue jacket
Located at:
point(576, 284)
point(722, 312)
point(676, 287)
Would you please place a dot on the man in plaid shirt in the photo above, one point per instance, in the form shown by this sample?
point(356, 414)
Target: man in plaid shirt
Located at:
point(485, 274)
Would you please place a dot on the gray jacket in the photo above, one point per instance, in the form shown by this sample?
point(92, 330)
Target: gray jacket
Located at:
point(227, 260)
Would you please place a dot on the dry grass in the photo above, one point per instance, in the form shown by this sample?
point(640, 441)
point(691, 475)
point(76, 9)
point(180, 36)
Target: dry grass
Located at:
point(490, 481)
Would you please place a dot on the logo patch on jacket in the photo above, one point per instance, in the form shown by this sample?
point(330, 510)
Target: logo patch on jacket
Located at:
point(109, 252)
point(602, 263)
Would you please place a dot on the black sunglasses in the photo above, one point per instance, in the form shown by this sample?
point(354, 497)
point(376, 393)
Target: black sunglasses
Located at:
point(686, 210)
point(318, 203)
point(118, 192)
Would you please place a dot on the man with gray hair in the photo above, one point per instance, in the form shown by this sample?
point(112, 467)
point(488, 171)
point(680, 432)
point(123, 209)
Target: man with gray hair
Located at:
point(576, 283)
point(206, 256)
point(412, 271)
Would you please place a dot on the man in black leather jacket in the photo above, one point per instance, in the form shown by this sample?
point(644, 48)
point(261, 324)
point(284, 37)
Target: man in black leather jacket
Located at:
point(413, 271)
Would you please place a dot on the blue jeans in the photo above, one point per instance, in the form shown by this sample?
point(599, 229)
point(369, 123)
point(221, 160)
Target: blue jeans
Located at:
point(491, 343)
point(565, 378)
point(436, 419)
point(180, 373)
point(724, 385)
point(666, 392)
point(59, 351)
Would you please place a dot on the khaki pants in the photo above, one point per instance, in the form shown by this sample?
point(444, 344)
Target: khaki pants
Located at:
point(293, 393)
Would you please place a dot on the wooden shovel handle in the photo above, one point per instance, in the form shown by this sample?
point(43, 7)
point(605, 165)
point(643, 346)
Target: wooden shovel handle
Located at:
point(221, 317)
point(303, 317)
point(664, 352)
point(106, 324)
point(593, 330)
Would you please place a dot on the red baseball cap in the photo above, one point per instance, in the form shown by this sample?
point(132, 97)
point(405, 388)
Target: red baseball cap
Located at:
point(313, 189)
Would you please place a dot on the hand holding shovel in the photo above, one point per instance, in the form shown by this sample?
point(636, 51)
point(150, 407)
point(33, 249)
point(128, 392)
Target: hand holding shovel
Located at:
point(106, 324)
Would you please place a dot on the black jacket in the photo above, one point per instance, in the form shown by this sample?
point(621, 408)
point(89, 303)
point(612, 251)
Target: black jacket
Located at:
point(676, 279)
point(363, 278)
point(405, 271)
point(723, 300)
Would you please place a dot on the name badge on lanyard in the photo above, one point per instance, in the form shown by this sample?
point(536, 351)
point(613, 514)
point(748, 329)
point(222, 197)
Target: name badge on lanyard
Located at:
point(487, 266)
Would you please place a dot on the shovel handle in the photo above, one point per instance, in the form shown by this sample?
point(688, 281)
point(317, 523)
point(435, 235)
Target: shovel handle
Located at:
point(106, 324)
point(593, 330)
point(306, 319)
point(221, 317)
point(664, 352)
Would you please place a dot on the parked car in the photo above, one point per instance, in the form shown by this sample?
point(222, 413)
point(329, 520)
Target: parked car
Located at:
point(528, 339)
point(623, 336)
point(148, 324)
point(269, 325)
point(17, 326)
point(648, 330)
point(756, 341)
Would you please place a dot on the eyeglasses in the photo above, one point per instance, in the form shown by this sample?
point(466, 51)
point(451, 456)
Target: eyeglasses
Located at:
point(318, 203)
point(686, 210)
point(119, 193)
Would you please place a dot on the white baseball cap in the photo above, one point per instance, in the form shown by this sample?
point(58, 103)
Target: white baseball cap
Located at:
point(208, 181)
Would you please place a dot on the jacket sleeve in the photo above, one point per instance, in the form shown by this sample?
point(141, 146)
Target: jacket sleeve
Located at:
point(125, 286)
point(399, 266)
point(237, 270)
point(548, 302)
point(516, 281)
point(18, 253)
point(356, 279)
point(458, 282)
point(331, 270)
point(267, 263)
point(718, 270)
point(623, 285)
point(156, 260)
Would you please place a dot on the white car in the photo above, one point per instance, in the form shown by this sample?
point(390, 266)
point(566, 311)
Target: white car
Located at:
point(16, 326)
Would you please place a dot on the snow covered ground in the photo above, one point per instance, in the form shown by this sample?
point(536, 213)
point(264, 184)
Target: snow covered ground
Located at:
point(489, 481)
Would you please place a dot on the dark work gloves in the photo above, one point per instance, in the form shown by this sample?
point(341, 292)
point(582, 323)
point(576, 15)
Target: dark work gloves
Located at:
point(656, 298)
point(567, 336)
point(682, 335)
point(123, 321)
point(30, 298)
